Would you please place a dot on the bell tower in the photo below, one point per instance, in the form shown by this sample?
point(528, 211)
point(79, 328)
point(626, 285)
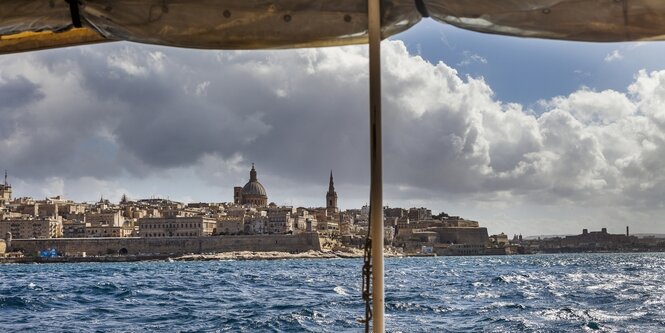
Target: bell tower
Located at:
point(5, 192)
point(331, 197)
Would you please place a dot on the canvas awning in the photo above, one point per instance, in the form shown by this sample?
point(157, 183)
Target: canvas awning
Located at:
point(27, 25)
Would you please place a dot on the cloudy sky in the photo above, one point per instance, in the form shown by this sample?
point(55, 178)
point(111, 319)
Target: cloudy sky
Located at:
point(525, 136)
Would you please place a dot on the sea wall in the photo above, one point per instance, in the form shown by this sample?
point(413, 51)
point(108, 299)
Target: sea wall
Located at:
point(173, 245)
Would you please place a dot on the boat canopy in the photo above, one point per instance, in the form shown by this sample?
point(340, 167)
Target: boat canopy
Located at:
point(27, 25)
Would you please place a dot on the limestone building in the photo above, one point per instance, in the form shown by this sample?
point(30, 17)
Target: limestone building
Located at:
point(32, 228)
point(253, 193)
point(419, 214)
point(107, 231)
point(256, 225)
point(176, 227)
point(331, 198)
point(73, 229)
point(230, 225)
point(280, 220)
point(107, 218)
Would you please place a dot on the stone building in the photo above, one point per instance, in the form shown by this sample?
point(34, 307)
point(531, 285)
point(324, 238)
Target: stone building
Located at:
point(71, 210)
point(36, 228)
point(302, 219)
point(328, 226)
point(73, 229)
point(394, 212)
point(588, 242)
point(461, 235)
point(253, 193)
point(454, 237)
point(107, 231)
point(176, 227)
point(419, 214)
point(345, 222)
point(49, 207)
point(280, 220)
point(256, 225)
point(499, 239)
point(460, 222)
point(107, 218)
point(230, 225)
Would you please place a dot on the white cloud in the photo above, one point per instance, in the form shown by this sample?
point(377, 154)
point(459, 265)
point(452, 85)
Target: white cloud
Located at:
point(114, 114)
point(127, 62)
point(202, 88)
point(614, 55)
point(472, 58)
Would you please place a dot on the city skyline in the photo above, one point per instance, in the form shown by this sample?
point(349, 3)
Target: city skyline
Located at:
point(330, 202)
point(478, 135)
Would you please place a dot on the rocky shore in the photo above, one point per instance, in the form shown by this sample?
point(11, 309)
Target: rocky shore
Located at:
point(235, 255)
point(250, 255)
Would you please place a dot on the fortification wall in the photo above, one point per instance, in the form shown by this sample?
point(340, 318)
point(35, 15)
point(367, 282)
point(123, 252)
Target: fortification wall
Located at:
point(181, 245)
point(460, 235)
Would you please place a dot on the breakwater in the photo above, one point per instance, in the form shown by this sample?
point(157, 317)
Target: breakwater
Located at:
point(170, 245)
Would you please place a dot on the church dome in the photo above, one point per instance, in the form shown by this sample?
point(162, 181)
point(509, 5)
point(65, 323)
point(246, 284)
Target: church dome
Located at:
point(253, 193)
point(253, 188)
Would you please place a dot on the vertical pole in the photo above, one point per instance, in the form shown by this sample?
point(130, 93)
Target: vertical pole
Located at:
point(376, 169)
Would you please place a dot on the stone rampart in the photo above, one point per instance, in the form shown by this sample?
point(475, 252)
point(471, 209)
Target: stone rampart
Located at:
point(174, 245)
point(460, 235)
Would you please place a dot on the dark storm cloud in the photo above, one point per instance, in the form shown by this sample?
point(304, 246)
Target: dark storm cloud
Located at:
point(18, 91)
point(121, 109)
point(152, 118)
point(173, 107)
point(15, 92)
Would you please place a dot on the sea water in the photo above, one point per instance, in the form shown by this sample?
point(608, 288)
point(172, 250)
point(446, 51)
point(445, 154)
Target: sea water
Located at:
point(535, 293)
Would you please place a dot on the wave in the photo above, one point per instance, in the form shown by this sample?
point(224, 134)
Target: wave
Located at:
point(553, 293)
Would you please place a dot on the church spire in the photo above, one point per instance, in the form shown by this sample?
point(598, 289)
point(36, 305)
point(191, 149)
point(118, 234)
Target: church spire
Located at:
point(331, 197)
point(252, 174)
point(6, 184)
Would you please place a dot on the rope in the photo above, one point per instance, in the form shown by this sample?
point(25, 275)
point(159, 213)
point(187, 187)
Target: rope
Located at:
point(367, 278)
point(74, 13)
point(422, 8)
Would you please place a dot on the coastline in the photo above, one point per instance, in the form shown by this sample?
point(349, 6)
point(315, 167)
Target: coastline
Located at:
point(237, 255)
point(233, 255)
point(271, 255)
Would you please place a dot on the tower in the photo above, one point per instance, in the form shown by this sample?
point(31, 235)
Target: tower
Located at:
point(331, 197)
point(237, 195)
point(5, 192)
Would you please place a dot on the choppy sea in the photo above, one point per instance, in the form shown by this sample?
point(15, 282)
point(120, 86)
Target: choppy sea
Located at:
point(537, 293)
